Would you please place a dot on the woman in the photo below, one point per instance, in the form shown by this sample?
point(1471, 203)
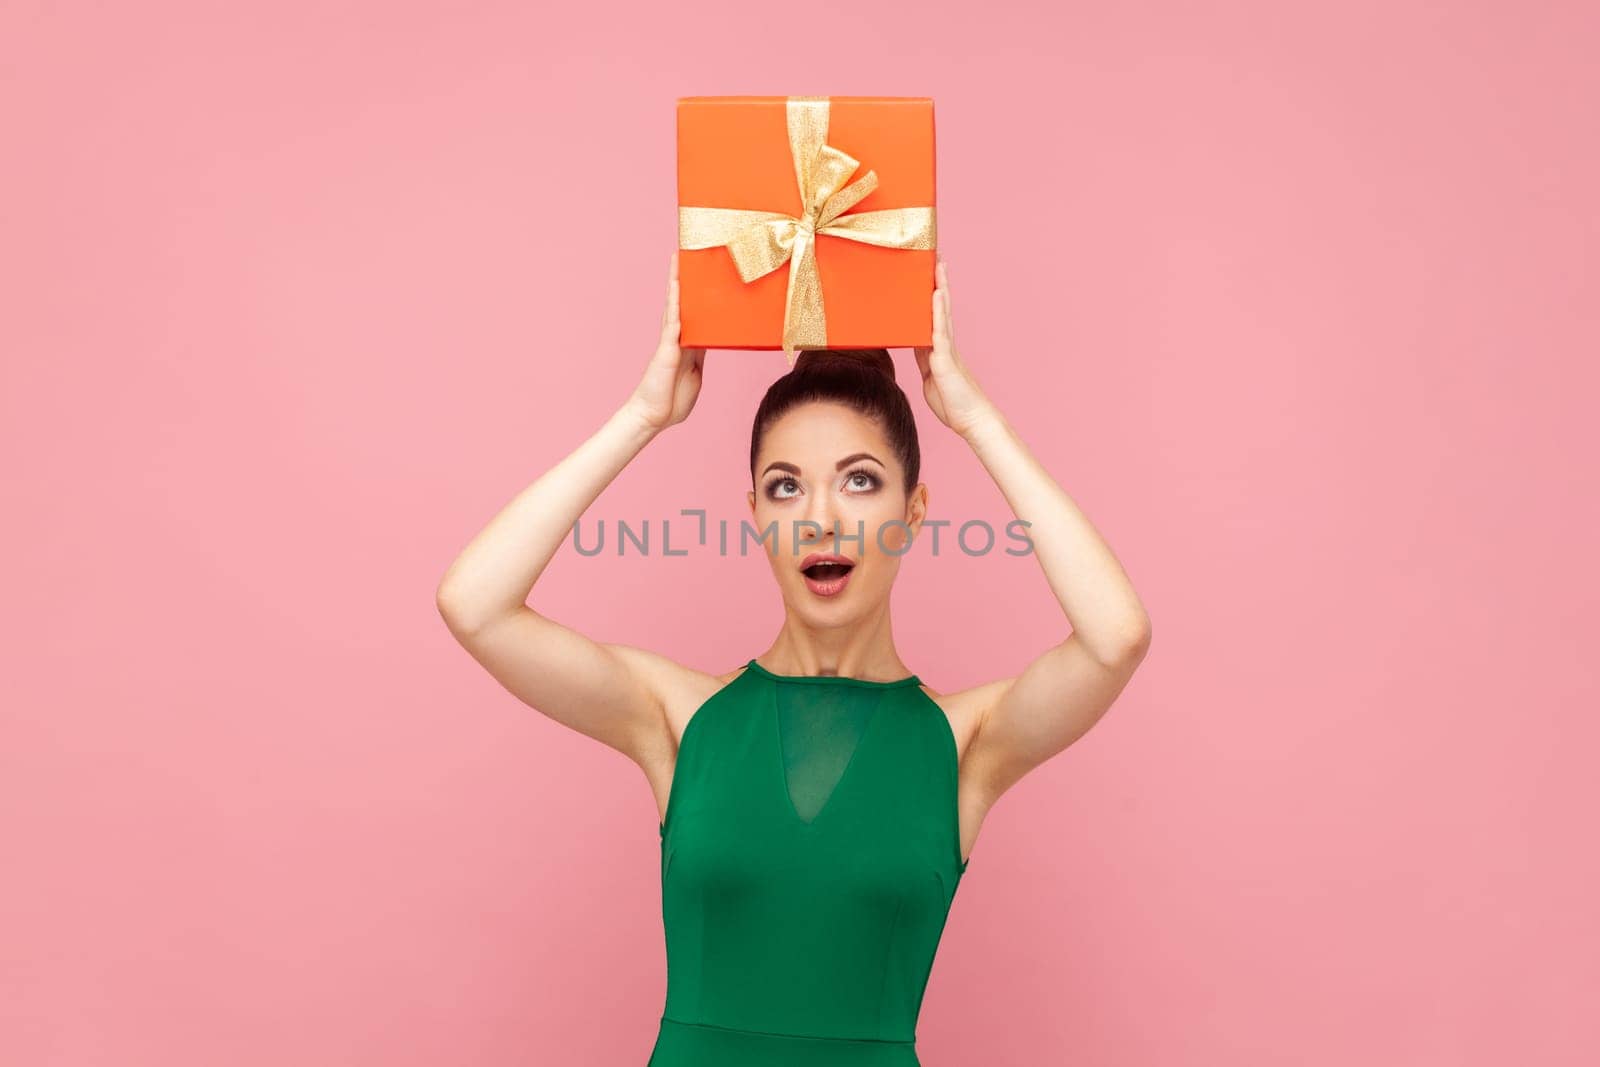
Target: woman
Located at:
point(818, 804)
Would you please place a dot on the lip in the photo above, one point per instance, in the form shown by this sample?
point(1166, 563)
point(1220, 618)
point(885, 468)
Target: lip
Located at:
point(825, 557)
point(827, 587)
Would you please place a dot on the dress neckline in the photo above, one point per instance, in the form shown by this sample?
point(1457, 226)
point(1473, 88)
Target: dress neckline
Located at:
point(833, 679)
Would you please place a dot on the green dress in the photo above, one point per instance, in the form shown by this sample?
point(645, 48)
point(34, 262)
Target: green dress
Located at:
point(809, 858)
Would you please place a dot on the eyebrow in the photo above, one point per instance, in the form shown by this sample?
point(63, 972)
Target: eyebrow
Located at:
point(839, 466)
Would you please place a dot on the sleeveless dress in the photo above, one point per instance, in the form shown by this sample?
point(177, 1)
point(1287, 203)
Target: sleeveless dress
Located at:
point(809, 857)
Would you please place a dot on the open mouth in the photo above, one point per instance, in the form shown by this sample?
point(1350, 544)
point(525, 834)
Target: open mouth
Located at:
point(827, 577)
point(823, 572)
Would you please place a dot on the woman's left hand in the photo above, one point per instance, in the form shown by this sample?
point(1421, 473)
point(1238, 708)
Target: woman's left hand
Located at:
point(953, 394)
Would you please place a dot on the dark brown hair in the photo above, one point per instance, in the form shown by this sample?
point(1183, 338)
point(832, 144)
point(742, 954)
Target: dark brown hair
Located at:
point(859, 378)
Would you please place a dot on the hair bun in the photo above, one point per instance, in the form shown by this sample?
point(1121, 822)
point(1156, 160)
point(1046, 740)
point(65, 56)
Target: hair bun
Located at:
point(877, 358)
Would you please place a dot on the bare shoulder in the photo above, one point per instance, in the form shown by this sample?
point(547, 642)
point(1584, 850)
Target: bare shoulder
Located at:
point(965, 708)
point(679, 690)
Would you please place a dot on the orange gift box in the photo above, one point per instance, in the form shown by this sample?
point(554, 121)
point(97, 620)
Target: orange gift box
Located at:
point(805, 222)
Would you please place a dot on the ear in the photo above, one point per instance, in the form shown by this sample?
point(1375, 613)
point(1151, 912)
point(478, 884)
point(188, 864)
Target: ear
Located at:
point(917, 507)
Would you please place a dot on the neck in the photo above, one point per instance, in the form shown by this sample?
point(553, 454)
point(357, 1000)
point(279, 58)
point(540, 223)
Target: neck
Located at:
point(867, 654)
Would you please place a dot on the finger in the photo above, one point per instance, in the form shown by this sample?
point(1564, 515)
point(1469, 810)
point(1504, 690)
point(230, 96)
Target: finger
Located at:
point(940, 326)
point(669, 314)
point(670, 306)
point(944, 291)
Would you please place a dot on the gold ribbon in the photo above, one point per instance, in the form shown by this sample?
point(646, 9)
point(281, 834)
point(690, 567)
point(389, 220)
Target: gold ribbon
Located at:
point(762, 241)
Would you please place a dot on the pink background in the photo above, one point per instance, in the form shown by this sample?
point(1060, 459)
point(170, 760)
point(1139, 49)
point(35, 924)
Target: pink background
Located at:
point(1300, 305)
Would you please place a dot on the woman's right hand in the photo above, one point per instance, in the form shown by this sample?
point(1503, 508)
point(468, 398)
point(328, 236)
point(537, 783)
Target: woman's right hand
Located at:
point(671, 383)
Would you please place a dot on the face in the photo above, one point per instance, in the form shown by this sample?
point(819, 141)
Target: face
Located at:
point(824, 464)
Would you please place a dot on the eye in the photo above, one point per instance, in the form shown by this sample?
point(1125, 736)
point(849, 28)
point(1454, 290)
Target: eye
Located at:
point(859, 479)
point(773, 486)
point(865, 473)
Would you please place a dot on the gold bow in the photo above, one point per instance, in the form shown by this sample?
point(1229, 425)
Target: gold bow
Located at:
point(762, 241)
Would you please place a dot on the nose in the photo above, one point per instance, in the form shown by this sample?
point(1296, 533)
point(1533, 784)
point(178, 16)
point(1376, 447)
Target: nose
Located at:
point(822, 510)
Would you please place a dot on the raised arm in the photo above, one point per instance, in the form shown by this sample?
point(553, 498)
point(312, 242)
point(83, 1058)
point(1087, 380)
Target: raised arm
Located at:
point(611, 692)
point(1018, 723)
